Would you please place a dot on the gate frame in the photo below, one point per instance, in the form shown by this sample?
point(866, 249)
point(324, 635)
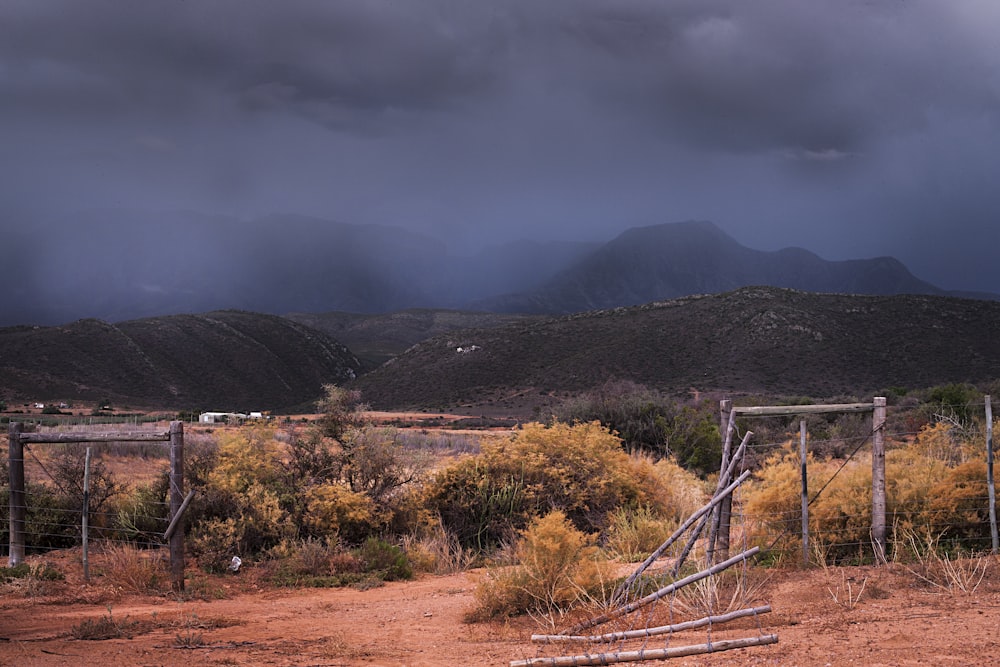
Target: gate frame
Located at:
point(18, 503)
point(876, 407)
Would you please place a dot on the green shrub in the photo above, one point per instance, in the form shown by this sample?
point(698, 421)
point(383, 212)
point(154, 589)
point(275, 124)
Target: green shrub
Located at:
point(316, 564)
point(42, 572)
point(142, 514)
point(694, 440)
point(640, 416)
point(104, 627)
point(646, 421)
point(387, 560)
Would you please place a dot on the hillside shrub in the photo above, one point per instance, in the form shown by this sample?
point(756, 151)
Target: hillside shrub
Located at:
point(694, 440)
point(954, 401)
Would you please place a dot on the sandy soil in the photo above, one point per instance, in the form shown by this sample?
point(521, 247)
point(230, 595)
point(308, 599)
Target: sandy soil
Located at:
point(898, 619)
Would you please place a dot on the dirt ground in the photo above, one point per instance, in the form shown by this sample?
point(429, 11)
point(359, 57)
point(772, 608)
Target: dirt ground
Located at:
point(818, 616)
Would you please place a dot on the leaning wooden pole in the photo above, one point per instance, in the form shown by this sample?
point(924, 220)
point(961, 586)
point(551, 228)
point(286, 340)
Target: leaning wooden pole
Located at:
point(646, 654)
point(176, 500)
point(666, 590)
point(696, 533)
point(16, 501)
point(625, 585)
point(652, 632)
point(718, 536)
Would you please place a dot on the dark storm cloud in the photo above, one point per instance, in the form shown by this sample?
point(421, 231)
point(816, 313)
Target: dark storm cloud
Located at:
point(851, 128)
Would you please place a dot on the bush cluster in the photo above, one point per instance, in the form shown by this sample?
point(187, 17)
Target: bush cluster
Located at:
point(935, 484)
point(580, 470)
point(257, 493)
point(557, 567)
point(648, 422)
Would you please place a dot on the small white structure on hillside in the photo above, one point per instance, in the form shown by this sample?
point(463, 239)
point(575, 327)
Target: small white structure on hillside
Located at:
point(221, 417)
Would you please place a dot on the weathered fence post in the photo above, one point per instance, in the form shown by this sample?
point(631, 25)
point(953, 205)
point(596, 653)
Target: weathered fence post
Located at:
point(15, 461)
point(86, 516)
point(176, 500)
point(878, 478)
point(989, 474)
point(720, 550)
point(805, 494)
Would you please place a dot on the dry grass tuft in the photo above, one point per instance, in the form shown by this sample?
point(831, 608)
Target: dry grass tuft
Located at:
point(133, 570)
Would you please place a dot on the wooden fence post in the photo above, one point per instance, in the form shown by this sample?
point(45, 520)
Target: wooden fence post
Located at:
point(15, 461)
point(805, 494)
point(878, 478)
point(176, 500)
point(720, 551)
point(989, 474)
point(86, 516)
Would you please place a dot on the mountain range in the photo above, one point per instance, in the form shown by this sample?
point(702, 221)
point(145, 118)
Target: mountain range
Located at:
point(668, 261)
point(123, 265)
point(677, 307)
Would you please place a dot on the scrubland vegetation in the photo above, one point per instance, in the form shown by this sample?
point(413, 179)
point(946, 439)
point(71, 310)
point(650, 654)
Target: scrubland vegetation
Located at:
point(548, 508)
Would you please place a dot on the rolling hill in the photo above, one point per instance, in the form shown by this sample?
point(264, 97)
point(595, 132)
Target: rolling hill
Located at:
point(377, 338)
point(219, 360)
point(758, 339)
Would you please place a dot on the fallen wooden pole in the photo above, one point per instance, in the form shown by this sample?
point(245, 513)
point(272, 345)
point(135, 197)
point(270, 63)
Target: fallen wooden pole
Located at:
point(625, 585)
point(652, 632)
point(666, 590)
point(647, 654)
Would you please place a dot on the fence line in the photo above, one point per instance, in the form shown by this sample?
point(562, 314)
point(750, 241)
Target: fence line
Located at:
point(18, 498)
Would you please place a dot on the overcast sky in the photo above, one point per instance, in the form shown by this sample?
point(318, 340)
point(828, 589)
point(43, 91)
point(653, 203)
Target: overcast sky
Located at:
point(853, 128)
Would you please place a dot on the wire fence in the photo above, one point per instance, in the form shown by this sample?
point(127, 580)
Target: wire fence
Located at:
point(938, 493)
point(130, 506)
point(935, 496)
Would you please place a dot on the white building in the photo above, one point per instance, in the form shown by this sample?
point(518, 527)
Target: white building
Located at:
point(221, 417)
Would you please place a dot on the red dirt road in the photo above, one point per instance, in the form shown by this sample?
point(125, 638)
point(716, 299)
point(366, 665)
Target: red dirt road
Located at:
point(898, 620)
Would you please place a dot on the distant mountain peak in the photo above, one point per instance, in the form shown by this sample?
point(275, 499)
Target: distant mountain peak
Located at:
point(670, 260)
